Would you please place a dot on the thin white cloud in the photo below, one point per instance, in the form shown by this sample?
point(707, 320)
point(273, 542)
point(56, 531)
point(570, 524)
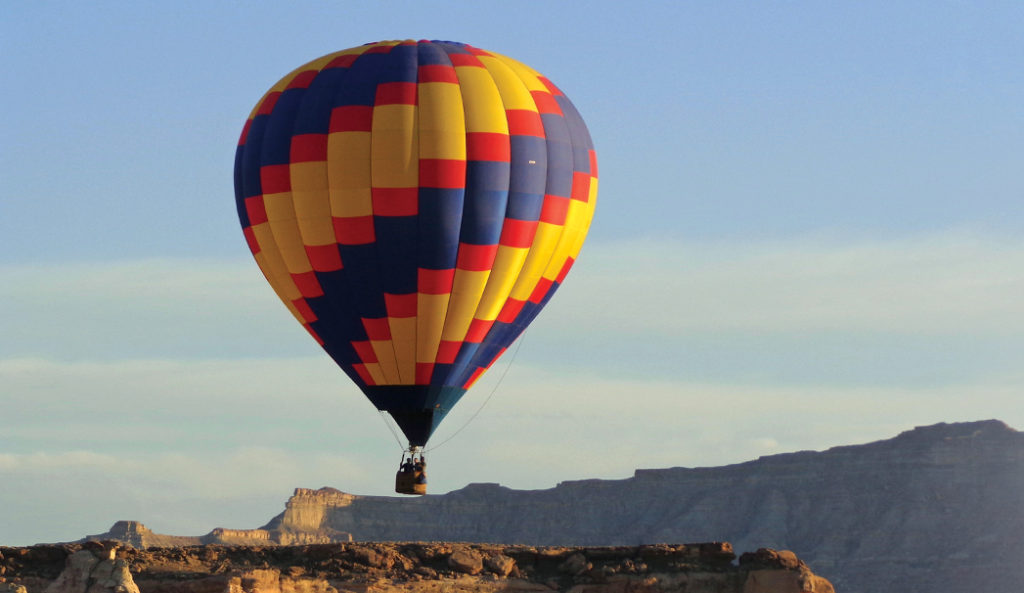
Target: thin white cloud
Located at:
point(938, 284)
point(169, 391)
point(228, 452)
point(935, 284)
point(169, 403)
point(143, 309)
point(66, 495)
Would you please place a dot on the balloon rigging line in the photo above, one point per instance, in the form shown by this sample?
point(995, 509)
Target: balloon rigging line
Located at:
point(383, 416)
point(515, 353)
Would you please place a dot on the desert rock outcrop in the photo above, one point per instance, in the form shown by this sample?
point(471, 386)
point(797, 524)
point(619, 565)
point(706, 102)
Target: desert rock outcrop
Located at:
point(405, 568)
point(938, 509)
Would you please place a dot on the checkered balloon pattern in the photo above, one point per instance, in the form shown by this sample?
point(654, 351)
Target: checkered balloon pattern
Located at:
point(415, 205)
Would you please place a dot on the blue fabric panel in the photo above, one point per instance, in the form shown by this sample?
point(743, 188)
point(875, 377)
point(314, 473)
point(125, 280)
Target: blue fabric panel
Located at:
point(360, 86)
point(430, 54)
point(411, 398)
point(251, 184)
point(336, 311)
point(524, 176)
point(488, 350)
point(315, 111)
point(439, 222)
point(544, 301)
point(527, 181)
point(580, 159)
point(396, 252)
point(500, 336)
point(578, 129)
point(243, 215)
point(581, 143)
point(399, 64)
point(524, 206)
point(361, 268)
point(460, 372)
point(340, 349)
point(418, 409)
point(560, 157)
point(486, 201)
point(555, 129)
point(452, 47)
point(485, 176)
point(483, 217)
point(441, 372)
point(277, 140)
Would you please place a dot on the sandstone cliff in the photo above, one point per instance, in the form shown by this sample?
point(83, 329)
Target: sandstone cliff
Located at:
point(937, 509)
point(98, 567)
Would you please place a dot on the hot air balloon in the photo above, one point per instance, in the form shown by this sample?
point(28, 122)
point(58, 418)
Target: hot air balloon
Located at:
point(415, 204)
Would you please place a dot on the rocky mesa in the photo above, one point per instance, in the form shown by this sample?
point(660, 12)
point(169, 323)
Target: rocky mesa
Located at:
point(103, 567)
point(937, 508)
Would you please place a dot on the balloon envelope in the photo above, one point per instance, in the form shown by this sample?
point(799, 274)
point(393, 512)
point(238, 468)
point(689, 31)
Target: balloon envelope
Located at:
point(415, 205)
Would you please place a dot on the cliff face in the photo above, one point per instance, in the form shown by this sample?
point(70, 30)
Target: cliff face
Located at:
point(937, 509)
point(402, 568)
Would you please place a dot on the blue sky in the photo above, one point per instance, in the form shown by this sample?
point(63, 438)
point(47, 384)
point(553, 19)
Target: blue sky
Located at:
point(807, 235)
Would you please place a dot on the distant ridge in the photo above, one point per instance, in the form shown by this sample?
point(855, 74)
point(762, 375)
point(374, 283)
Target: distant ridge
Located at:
point(938, 508)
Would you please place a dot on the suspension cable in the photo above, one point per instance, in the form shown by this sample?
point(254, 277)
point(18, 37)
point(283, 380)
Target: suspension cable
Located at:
point(519, 344)
point(384, 418)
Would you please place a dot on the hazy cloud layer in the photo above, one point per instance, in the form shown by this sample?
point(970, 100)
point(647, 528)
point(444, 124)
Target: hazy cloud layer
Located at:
point(126, 444)
point(182, 394)
point(933, 284)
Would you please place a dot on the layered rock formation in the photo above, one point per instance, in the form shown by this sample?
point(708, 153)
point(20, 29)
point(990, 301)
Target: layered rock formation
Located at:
point(293, 529)
point(937, 509)
point(403, 568)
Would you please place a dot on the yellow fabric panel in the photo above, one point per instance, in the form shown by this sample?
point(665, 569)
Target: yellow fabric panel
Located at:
point(441, 123)
point(393, 117)
point(256, 107)
point(440, 144)
point(394, 151)
point(440, 105)
point(282, 84)
point(403, 336)
point(317, 64)
point(346, 202)
point(261, 261)
point(312, 202)
point(585, 221)
point(374, 369)
point(528, 75)
point(348, 173)
point(575, 220)
point(430, 314)
point(466, 291)
point(544, 243)
point(269, 260)
point(281, 217)
point(504, 272)
point(514, 93)
point(292, 250)
point(279, 207)
point(483, 107)
point(308, 176)
point(345, 147)
point(385, 352)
